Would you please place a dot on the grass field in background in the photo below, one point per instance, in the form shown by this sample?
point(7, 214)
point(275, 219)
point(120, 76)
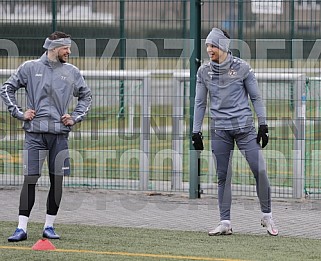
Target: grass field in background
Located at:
point(278, 154)
point(79, 242)
point(102, 132)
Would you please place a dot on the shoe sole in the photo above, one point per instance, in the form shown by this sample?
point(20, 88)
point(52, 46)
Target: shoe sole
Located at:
point(274, 235)
point(228, 233)
point(50, 237)
point(14, 240)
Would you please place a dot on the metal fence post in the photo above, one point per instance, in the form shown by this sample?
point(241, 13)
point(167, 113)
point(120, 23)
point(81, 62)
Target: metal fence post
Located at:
point(121, 113)
point(54, 15)
point(177, 133)
point(240, 20)
point(145, 135)
point(195, 34)
point(299, 142)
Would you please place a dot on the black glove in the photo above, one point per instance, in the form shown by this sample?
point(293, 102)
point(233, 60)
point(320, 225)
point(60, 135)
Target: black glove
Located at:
point(197, 140)
point(263, 134)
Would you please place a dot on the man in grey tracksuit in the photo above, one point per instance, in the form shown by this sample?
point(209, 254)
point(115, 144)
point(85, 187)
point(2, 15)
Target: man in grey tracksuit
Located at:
point(50, 84)
point(230, 82)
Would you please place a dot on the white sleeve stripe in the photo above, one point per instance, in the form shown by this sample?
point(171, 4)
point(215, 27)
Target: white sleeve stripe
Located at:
point(10, 101)
point(81, 115)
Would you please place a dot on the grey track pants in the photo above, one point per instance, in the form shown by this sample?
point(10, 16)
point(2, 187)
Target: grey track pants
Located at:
point(222, 143)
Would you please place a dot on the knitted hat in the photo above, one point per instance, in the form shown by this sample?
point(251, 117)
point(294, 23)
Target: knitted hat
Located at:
point(217, 38)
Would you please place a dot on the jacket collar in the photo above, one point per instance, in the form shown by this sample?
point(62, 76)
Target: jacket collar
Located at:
point(44, 59)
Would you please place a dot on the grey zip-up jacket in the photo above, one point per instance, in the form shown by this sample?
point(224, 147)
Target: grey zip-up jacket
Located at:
point(230, 86)
point(50, 87)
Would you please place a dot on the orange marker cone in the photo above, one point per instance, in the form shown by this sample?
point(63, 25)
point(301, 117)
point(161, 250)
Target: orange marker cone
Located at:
point(43, 245)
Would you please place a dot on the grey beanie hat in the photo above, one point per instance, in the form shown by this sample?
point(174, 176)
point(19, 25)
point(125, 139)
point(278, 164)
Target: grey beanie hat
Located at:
point(217, 38)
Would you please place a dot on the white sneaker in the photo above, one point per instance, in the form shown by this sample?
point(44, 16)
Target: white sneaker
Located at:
point(268, 223)
point(222, 229)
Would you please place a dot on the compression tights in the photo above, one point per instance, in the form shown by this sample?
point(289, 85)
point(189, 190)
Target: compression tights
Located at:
point(28, 194)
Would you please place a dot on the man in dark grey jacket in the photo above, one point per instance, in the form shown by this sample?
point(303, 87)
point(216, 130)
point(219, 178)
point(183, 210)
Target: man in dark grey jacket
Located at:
point(230, 83)
point(50, 83)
